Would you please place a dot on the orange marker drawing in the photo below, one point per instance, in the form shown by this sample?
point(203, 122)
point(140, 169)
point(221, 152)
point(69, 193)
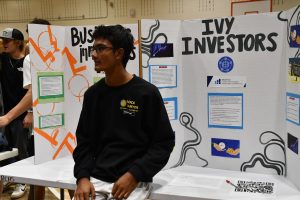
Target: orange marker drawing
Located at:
point(72, 62)
point(66, 143)
point(51, 139)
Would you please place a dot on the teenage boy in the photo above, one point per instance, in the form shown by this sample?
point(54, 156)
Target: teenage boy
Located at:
point(124, 135)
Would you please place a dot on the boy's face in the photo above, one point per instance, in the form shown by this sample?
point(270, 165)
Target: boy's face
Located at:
point(10, 45)
point(104, 55)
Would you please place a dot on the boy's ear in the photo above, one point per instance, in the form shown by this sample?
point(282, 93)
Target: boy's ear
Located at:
point(119, 53)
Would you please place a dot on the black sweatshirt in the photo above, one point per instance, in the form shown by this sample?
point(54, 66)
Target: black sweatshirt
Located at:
point(122, 129)
point(11, 78)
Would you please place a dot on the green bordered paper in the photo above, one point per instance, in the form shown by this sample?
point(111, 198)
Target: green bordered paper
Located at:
point(50, 87)
point(51, 121)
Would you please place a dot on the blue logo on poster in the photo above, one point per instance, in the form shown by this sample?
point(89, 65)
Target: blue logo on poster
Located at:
point(161, 50)
point(293, 143)
point(295, 36)
point(225, 148)
point(225, 64)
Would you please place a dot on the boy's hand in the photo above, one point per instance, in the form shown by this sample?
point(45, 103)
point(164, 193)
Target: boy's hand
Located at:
point(124, 186)
point(84, 189)
point(28, 120)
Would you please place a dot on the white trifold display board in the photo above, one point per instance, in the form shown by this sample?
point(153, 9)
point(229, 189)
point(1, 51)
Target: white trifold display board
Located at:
point(62, 69)
point(230, 86)
point(226, 81)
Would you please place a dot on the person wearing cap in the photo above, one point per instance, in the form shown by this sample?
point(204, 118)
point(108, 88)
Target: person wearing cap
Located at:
point(11, 79)
point(25, 102)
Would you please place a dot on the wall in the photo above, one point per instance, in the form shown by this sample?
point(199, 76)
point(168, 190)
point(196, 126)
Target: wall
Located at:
point(17, 13)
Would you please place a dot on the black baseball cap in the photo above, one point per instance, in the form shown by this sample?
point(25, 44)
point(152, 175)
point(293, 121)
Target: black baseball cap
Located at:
point(12, 33)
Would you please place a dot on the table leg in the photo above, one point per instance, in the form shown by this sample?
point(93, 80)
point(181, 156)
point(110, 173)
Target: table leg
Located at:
point(62, 194)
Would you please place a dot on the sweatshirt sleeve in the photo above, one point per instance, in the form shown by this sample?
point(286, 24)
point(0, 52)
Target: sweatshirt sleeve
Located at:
point(1, 62)
point(156, 123)
point(82, 154)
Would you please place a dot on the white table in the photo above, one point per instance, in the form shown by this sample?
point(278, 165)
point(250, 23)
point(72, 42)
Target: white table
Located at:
point(191, 183)
point(186, 182)
point(8, 154)
point(57, 173)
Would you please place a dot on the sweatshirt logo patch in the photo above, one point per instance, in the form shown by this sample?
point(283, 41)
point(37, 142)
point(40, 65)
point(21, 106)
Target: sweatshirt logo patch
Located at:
point(123, 103)
point(129, 107)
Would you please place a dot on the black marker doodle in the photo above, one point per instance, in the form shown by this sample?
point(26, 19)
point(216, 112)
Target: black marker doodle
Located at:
point(186, 120)
point(147, 41)
point(278, 166)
